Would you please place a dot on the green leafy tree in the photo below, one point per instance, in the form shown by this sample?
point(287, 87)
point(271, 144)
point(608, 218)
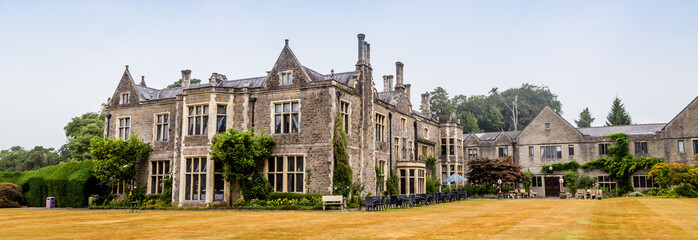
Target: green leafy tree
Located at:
point(240, 153)
point(586, 182)
point(115, 160)
point(585, 119)
point(484, 110)
point(571, 179)
point(392, 186)
point(531, 100)
point(618, 115)
point(441, 105)
point(178, 83)
point(342, 176)
point(526, 181)
point(16, 159)
point(80, 131)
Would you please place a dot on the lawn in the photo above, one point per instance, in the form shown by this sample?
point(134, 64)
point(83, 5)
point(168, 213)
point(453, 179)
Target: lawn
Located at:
point(618, 218)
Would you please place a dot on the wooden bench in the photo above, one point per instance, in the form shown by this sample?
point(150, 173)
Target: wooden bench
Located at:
point(333, 200)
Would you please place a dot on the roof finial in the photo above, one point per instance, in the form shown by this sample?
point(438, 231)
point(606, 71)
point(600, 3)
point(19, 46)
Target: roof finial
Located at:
point(332, 74)
point(126, 67)
point(286, 40)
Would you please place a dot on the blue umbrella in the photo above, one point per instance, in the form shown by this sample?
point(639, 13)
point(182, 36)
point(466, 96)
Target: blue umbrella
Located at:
point(455, 178)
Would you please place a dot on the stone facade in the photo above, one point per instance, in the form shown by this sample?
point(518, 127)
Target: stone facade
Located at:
point(550, 139)
point(298, 107)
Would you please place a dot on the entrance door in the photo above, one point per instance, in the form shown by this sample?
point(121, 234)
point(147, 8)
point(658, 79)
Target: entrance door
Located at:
point(552, 186)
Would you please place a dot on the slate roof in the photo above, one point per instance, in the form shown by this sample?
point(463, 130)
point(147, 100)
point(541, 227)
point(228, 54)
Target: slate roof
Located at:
point(386, 96)
point(421, 114)
point(255, 82)
point(487, 136)
point(637, 129)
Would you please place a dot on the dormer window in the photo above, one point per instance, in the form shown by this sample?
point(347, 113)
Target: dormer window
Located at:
point(286, 77)
point(125, 98)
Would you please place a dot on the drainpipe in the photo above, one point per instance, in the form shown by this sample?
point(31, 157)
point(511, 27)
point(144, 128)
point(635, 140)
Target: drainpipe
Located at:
point(513, 148)
point(108, 120)
point(253, 100)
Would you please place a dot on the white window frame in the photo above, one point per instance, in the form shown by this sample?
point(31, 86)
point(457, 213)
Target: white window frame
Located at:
point(158, 175)
point(380, 127)
point(202, 185)
point(682, 146)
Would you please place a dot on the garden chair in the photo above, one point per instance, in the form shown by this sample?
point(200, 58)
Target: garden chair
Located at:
point(402, 200)
point(580, 194)
point(523, 192)
point(413, 200)
point(430, 198)
point(394, 201)
point(369, 203)
point(532, 194)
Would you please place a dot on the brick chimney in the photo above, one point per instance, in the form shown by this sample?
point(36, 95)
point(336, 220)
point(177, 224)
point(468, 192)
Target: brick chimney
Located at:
point(186, 78)
point(142, 81)
point(426, 105)
point(387, 83)
point(368, 53)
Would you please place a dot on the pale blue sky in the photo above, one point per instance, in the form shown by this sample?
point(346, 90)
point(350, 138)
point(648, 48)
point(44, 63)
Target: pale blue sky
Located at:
point(60, 60)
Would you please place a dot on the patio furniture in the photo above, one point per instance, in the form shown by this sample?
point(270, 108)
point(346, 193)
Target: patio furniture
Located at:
point(430, 198)
point(413, 200)
point(394, 201)
point(532, 194)
point(370, 204)
point(403, 200)
point(581, 194)
point(523, 193)
point(333, 200)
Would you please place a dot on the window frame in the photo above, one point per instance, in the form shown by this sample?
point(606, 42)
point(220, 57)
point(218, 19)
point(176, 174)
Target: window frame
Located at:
point(155, 175)
point(380, 127)
point(283, 113)
point(161, 126)
point(125, 98)
point(194, 178)
point(603, 148)
point(286, 77)
point(682, 147)
point(285, 183)
point(193, 117)
point(221, 115)
point(126, 127)
point(570, 150)
point(503, 151)
point(472, 153)
point(345, 114)
point(530, 151)
point(641, 148)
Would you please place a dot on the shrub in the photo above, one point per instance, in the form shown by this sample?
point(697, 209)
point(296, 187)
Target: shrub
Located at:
point(292, 196)
point(71, 183)
point(656, 191)
point(255, 186)
point(432, 184)
point(10, 195)
point(685, 190)
point(586, 182)
point(636, 194)
point(571, 180)
point(481, 189)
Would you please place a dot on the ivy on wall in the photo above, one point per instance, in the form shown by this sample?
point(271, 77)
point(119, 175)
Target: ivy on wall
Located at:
point(573, 165)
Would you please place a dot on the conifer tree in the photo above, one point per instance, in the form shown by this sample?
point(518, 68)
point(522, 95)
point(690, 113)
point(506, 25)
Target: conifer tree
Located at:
point(585, 119)
point(618, 115)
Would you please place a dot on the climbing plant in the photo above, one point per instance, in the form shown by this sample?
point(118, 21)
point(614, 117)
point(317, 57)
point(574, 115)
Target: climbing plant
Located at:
point(573, 165)
point(620, 164)
point(239, 153)
point(341, 179)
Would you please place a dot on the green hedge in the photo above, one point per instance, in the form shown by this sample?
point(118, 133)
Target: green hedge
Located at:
point(71, 183)
point(292, 196)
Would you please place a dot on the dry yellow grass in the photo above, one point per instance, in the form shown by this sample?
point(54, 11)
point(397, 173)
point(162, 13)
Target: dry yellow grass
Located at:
point(619, 218)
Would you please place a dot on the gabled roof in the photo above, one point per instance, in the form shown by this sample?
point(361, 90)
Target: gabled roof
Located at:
point(556, 114)
point(682, 110)
point(637, 129)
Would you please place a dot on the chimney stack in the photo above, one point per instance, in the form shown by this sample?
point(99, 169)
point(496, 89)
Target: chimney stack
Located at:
point(390, 83)
point(407, 92)
point(398, 73)
point(426, 104)
point(368, 53)
point(361, 37)
point(142, 81)
point(186, 78)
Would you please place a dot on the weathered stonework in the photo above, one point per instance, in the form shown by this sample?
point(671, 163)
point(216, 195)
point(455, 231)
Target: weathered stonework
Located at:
point(250, 103)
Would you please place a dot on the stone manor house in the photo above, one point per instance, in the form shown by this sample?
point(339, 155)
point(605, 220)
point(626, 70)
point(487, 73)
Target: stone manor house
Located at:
point(298, 106)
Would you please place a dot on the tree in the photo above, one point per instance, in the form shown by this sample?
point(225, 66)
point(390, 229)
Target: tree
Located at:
point(240, 153)
point(531, 100)
point(571, 179)
point(16, 159)
point(341, 177)
point(467, 118)
point(80, 131)
point(485, 170)
point(618, 115)
point(178, 83)
point(585, 119)
point(441, 105)
point(116, 159)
